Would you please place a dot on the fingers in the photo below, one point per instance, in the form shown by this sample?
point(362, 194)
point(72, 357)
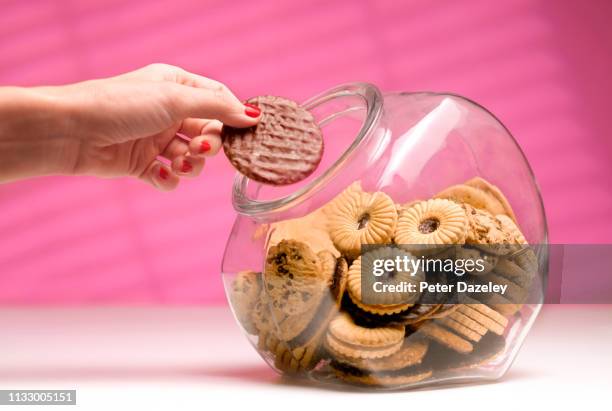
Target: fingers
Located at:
point(182, 162)
point(218, 103)
point(206, 136)
point(176, 147)
point(192, 127)
point(205, 146)
point(166, 177)
point(187, 166)
point(192, 95)
point(160, 176)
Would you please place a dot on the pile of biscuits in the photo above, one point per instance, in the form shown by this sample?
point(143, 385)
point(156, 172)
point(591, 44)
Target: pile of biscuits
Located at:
point(306, 306)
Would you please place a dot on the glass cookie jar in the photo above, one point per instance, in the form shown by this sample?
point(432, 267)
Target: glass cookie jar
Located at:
point(406, 179)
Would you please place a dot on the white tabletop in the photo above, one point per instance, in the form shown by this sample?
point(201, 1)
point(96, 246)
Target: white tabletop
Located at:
point(154, 358)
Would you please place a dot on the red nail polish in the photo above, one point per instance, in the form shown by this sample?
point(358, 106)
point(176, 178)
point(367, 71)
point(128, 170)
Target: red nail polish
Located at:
point(163, 173)
point(187, 167)
point(204, 147)
point(251, 110)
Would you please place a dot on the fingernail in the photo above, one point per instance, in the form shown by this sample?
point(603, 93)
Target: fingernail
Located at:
point(251, 110)
point(163, 173)
point(187, 167)
point(204, 147)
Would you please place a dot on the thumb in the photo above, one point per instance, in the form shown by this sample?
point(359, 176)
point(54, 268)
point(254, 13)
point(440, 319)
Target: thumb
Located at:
point(212, 103)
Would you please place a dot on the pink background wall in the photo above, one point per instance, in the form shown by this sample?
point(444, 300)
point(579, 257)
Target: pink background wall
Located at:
point(542, 66)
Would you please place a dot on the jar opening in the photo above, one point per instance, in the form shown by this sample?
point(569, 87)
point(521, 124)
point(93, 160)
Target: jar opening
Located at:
point(348, 112)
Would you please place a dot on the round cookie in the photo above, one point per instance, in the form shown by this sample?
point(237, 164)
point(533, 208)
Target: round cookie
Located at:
point(486, 351)
point(283, 148)
point(514, 293)
point(295, 282)
point(340, 280)
point(515, 273)
point(444, 337)
point(418, 313)
point(494, 192)
point(383, 303)
point(468, 322)
point(475, 197)
point(357, 217)
point(431, 223)
point(484, 315)
point(459, 329)
point(485, 232)
point(489, 261)
point(348, 339)
point(301, 353)
point(265, 340)
point(527, 260)
point(444, 310)
point(261, 316)
point(288, 360)
point(502, 305)
point(295, 361)
point(411, 353)
point(310, 229)
point(406, 376)
point(511, 228)
point(329, 305)
point(244, 294)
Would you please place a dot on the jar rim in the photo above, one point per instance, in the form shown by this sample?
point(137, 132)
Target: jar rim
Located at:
point(373, 100)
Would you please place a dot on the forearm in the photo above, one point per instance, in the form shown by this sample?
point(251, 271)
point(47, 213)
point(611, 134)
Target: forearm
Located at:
point(34, 134)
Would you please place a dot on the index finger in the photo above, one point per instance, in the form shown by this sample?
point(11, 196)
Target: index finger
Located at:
point(211, 103)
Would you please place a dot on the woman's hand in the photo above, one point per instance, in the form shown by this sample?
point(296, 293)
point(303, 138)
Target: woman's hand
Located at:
point(118, 126)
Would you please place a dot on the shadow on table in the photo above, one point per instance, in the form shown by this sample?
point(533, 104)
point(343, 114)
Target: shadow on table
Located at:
point(261, 373)
point(252, 374)
point(267, 376)
point(511, 376)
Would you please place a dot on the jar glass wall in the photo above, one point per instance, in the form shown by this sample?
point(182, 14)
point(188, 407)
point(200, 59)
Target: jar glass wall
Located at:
point(398, 169)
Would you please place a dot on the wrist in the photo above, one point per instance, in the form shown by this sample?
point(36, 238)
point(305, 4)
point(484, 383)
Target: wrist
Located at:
point(35, 133)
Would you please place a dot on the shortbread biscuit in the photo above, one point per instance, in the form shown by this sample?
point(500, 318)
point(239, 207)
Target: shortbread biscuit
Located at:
point(468, 322)
point(515, 273)
point(411, 353)
point(444, 337)
point(383, 303)
point(485, 316)
point(444, 310)
point(393, 379)
point(357, 217)
point(486, 351)
point(430, 223)
point(418, 313)
point(488, 261)
point(459, 329)
point(346, 338)
point(502, 304)
point(513, 293)
point(446, 363)
point(295, 361)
